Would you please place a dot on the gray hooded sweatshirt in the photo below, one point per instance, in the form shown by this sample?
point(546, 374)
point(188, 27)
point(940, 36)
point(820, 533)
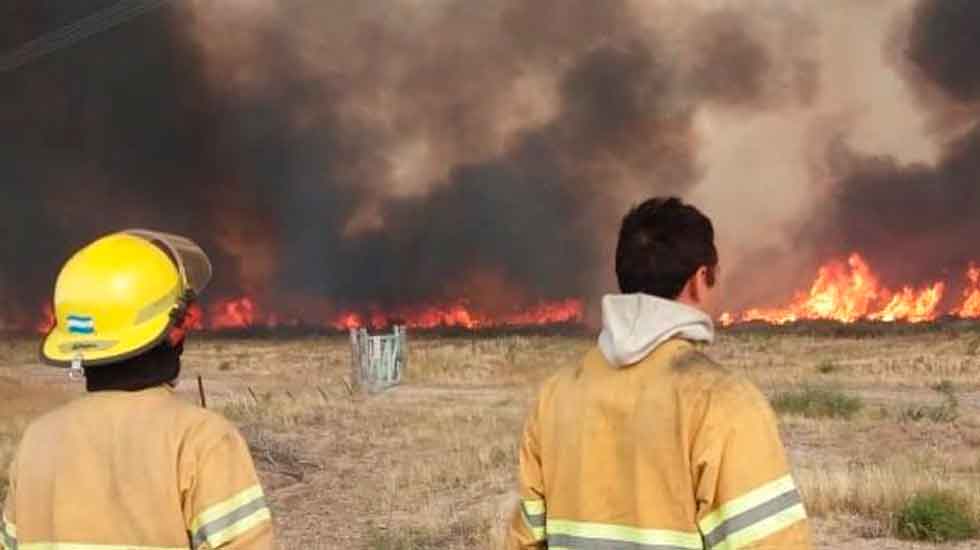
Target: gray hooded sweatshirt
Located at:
point(633, 325)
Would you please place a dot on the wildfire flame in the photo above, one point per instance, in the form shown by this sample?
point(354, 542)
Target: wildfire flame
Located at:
point(462, 316)
point(851, 291)
point(47, 321)
point(844, 291)
point(195, 318)
point(245, 312)
point(230, 314)
point(970, 308)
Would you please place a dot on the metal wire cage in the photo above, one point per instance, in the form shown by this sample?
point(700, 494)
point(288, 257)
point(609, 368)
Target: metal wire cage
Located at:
point(378, 362)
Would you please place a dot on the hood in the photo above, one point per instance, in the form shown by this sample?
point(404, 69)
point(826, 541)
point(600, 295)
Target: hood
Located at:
point(633, 325)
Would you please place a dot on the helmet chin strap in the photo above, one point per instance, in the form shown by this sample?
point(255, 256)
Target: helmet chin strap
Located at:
point(76, 372)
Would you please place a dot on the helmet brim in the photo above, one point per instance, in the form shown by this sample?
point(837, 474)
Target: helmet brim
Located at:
point(60, 347)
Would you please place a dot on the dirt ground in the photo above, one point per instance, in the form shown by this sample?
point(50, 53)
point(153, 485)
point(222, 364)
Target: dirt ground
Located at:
point(430, 464)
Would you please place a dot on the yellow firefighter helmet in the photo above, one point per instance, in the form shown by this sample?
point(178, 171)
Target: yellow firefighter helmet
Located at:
point(120, 296)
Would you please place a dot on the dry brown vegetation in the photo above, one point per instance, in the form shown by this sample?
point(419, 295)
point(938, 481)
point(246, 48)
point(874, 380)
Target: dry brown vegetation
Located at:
point(430, 464)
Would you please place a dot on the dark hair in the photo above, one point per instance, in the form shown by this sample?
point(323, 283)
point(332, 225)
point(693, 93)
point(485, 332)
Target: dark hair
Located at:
point(662, 243)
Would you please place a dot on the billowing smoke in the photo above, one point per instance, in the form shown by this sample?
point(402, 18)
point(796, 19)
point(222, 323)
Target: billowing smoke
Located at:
point(372, 153)
point(916, 221)
point(943, 44)
point(343, 155)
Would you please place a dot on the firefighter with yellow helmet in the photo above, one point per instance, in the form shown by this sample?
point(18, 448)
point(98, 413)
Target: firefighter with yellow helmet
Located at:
point(130, 465)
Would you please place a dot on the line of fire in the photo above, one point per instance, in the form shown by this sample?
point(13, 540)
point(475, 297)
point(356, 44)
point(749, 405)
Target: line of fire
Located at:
point(845, 291)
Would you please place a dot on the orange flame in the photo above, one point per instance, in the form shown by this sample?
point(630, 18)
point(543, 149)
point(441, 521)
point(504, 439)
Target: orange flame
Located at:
point(348, 321)
point(912, 306)
point(564, 311)
point(456, 315)
point(459, 315)
point(245, 312)
point(970, 308)
point(195, 318)
point(233, 314)
point(848, 293)
point(47, 321)
point(844, 291)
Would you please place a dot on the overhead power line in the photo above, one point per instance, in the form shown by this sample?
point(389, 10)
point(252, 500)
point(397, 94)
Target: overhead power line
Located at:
point(88, 26)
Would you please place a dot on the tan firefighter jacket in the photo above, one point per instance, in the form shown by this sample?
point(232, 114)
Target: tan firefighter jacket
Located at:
point(649, 445)
point(131, 471)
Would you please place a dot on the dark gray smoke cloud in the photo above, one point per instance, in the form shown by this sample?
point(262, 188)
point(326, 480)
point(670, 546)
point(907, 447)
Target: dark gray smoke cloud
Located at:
point(279, 141)
point(916, 222)
point(944, 43)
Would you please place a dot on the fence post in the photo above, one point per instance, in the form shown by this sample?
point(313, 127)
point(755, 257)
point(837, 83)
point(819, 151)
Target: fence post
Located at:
point(355, 366)
point(200, 389)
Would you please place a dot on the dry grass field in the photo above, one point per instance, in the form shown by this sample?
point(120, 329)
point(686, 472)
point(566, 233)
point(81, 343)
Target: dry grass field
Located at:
point(869, 423)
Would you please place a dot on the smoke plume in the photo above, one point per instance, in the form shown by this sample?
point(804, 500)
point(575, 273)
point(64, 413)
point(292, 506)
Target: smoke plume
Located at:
point(377, 153)
point(384, 154)
point(916, 221)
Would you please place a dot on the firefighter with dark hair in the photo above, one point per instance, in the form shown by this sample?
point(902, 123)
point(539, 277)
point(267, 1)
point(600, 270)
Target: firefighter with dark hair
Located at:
point(648, 443)
point(129, 465)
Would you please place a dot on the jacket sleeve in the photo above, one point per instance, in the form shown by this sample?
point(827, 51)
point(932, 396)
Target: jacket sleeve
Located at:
point(8, 527)
point(746, 495)
point(527, 525)
point(224, 505)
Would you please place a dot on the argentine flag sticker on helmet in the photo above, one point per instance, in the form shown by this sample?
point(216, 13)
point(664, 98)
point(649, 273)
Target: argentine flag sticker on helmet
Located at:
point(81, 324)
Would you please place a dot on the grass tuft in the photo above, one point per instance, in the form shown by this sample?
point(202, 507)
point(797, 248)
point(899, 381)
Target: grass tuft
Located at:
point(936, 516)
point(827, 367)
point(945, 413)
point(948, 412)
point(973, 347)
point(945, 387)
point(817, 403)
